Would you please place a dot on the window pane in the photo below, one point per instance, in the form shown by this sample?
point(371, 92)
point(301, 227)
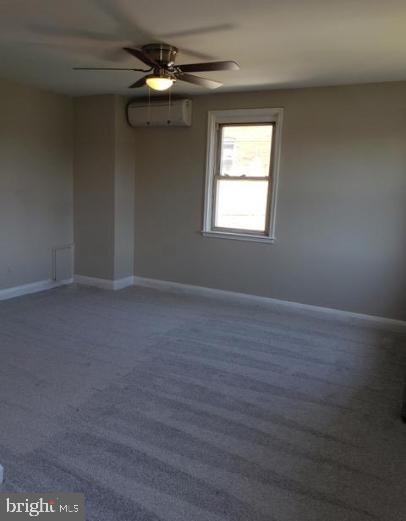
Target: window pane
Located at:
point(246, 150)
point(241, 204)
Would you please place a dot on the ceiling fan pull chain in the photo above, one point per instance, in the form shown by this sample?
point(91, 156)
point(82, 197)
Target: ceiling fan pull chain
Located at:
point(149, 106)
point(169, 106)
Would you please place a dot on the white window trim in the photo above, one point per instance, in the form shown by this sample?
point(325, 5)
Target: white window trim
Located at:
point(261, 115)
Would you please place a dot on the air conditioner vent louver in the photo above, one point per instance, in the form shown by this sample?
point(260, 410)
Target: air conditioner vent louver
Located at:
point(158, 114)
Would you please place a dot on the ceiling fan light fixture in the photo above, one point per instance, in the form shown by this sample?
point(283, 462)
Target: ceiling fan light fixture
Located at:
point(159, 83)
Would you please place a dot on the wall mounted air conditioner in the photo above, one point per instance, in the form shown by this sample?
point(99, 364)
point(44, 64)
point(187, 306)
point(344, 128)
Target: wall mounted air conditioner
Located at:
point(158, 114)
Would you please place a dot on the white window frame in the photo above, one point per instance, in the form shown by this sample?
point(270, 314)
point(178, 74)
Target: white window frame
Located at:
point(217, 118)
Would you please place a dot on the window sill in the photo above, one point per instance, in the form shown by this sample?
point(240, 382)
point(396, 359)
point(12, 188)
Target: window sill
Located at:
point(239, 236)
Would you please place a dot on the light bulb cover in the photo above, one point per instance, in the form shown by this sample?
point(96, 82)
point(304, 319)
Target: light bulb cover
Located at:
point(159, 83)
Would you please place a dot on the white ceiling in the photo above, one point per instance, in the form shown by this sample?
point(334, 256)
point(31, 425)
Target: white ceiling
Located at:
point(278, 43)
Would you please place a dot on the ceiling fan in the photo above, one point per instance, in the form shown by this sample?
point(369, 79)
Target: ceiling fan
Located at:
point(160, 58)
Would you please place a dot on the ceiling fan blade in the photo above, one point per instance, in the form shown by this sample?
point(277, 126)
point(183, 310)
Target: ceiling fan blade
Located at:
point(199, 30)
point(139, 54)
point(202, 82)
point(195, 54)
point(73, 33)
point(101, 69)
point(209, 66)
point(138, 83)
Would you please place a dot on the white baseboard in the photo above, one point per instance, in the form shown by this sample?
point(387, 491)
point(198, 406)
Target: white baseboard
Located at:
point(104, 283)
point(123, 283)
point(212, 292)
point(33, 287)
point(44, 285)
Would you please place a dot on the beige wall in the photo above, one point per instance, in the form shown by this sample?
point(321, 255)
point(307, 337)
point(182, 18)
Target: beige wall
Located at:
point(103, 188)
point(94, 186)
point(123, 193)
point(35, 181)
point(341, 215)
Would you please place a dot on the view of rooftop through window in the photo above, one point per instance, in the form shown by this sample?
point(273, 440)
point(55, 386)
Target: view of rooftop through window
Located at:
point(242, 185)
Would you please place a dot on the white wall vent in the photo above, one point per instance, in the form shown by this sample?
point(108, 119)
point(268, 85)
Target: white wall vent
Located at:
point(158, 114)
point(62, 262)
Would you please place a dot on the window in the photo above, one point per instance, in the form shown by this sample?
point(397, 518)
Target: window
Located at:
point(241, 178)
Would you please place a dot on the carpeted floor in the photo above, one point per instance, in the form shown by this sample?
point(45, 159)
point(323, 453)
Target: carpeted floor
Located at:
point(171, 407)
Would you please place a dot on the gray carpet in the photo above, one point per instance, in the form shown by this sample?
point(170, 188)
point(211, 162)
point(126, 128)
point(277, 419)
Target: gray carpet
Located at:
point(171, 407)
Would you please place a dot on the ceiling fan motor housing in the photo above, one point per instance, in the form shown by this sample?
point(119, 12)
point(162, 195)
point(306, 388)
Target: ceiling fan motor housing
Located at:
point(161, 53)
